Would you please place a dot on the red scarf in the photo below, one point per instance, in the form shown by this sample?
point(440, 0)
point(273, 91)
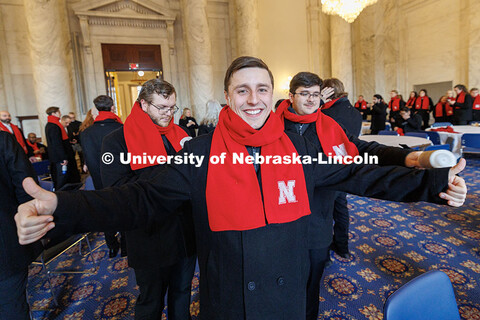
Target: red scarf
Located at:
point(422, 103)
point(104, 115)
point(143, 136)
point(394, 104)
point(234, 198)
point(56, 120)
point(460, 99)
point(35, 147)
point(329, 132)
point(17, 133)
point(476, 103)
point(439, 109)
point(361, 105)
point(328, 104)
point(411, 102)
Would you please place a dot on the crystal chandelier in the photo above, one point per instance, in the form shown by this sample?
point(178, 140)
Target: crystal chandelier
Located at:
point(347, 9)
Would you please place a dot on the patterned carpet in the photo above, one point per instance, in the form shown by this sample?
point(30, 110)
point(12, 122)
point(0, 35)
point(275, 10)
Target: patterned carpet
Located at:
point(391, 243)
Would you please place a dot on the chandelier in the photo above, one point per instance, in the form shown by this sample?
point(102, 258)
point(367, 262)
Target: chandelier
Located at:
point(347, 9)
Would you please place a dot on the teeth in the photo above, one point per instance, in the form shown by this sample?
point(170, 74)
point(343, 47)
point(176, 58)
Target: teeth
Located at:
point(253, 112)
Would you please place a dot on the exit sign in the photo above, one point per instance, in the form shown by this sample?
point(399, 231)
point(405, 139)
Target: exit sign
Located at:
point(133, 66)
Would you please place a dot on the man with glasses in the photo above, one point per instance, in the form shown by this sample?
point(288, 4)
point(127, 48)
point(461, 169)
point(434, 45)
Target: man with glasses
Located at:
point(161, 254)
point(250, 219)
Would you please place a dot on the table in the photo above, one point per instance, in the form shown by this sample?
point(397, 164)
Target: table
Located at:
point(455, 139)
point(395, 141)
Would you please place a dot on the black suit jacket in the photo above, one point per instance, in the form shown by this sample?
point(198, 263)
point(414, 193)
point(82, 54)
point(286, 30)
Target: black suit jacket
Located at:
point(254, 274)
point(91, 141)
point(14, 167)
point(463, 111)
point(58, 149)
point(343, 112)
point(157, 244)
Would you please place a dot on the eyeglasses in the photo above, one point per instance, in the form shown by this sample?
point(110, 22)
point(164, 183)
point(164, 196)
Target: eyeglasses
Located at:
point(308, 95)
point(165, 109)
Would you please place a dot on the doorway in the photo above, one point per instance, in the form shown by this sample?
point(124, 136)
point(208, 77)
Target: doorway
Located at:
point(127, 67)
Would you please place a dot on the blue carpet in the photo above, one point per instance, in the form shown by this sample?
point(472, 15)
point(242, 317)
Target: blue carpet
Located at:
point(391, 243)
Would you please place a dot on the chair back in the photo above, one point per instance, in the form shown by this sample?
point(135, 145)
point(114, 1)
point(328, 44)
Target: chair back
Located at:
point(441, 124)
point(429, 296)
point(41, 167)
point(438, 147)
point(471, 140)
point(89, 184)
point(434, 137)
point(387, 133)
point(417, 134)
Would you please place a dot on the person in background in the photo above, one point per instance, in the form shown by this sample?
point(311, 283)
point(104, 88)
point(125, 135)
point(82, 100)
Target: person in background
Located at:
point(74, 136)
point(443, 111)
point(476, 104)
point(7, 126)
point(423, 106)
point(462, 112)
point(65, 121)
point(36, 149)
point(379, 114)
point(14, 258)
point(60, 152)
point(91, 139)
point(210, 120)
point(189, 122)
point(395, 104)
point(89, 119)
point(410, 123)
point(362, 106)
point(411, 99)
point(161, 254)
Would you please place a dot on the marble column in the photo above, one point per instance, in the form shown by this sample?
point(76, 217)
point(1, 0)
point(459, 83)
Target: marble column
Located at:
point(474, 45)
point(50, 54)
point(200, 55)
point(247, 27)
point(341, 53)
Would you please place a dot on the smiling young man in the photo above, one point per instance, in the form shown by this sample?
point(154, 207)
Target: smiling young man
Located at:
point(250, 219)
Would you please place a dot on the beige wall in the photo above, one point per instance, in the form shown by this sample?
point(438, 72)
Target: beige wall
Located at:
point(395, 45)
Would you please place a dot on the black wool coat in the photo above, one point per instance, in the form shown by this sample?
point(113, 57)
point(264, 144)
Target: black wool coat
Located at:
point(253, 274)
point(343, 112)
point(14, 167)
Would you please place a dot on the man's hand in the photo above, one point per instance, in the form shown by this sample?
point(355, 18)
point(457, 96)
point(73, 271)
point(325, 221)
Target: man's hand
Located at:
point(34, 218)
point(457, 189)
point(326, 93)
point(64, 163)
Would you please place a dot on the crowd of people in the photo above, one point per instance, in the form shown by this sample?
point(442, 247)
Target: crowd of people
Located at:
point(458, 107)
point(261, 233)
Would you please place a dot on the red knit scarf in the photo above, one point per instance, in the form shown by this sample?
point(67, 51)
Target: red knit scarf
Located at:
point(476, 103)
point(56, 120)
point(361, 105)
point(411, 102)
point(460, 97)
point(104, 115)
point(394, 104)
point(234, 198)
point(34, 146)
point(439, 109)
point(17, 133)
point(329, 132)
point(422, 103)
point(143, 136)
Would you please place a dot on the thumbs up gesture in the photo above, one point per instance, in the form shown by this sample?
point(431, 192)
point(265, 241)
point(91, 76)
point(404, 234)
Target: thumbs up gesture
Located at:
point(457, 189)
point(34, 218)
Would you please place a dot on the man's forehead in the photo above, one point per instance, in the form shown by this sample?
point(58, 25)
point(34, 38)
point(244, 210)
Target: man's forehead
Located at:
point(311, 89)
point(160, 99)
point(250, 77)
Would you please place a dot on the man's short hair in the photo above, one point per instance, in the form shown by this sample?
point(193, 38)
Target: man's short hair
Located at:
point(405, 109)
point(424, 90)
point(338, 87)
point(304, 79)
point(378, 96)
point(396, 91)
point(241, 63)
point(155, 86)
point(66, 117)
point(474, 89)
point(52, 110)
point(103, 103)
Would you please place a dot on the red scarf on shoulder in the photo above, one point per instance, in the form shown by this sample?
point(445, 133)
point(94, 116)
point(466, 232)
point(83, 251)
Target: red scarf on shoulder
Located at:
point(361, 105)
point(56, 120)
point(422, 103)
point(327, 105)
point(439, 109)
point(411, 102)
point(17, 133)
point(143, 136)
point(104, 115)
point(476, 103)
point(460, 99)
point(329, 132)
point(394, 104)
point(234, 198)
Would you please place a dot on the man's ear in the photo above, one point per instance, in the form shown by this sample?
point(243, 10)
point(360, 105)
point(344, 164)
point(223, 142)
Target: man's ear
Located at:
point(144, 105)
point(227, 99)
point(290, 97)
